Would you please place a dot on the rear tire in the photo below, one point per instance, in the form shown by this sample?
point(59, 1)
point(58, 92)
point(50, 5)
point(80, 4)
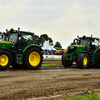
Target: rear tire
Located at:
point(66, 63)
point(5, 59)
point(83, 60)
point(33, 58)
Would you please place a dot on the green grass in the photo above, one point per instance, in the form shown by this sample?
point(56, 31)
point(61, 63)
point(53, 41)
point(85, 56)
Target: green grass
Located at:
point(50, 59)
point(91, 96)
point(55, 59)
point(50, 64)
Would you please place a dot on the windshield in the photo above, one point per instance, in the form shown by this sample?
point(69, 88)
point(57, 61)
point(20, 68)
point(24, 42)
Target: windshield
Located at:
point(85, 42)
point(13, 38)
point(27, 36)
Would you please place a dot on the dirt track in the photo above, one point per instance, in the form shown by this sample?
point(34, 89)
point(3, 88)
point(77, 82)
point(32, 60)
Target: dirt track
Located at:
point(47, 82)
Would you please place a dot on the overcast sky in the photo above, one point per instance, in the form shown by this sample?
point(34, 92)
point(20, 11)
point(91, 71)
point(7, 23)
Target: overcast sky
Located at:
point(62, 20)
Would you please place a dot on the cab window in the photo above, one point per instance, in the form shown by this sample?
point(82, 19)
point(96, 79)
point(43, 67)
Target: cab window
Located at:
point(95, 42)
point(13, 37)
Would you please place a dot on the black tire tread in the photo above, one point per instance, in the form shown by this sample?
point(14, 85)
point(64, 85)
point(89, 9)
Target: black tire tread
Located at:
point(65, 62)
point(80, 60)
point(9, 57)
point(26, 62)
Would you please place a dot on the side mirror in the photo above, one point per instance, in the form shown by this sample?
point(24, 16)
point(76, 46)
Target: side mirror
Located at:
point(19, 35)
point(32, 33)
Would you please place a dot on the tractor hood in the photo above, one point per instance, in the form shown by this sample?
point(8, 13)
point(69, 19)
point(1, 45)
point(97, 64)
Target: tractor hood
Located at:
point(73, 48)
point(5, 44)
point(76, 46)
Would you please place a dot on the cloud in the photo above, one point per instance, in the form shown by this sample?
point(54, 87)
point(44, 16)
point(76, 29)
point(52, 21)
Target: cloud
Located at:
point(62, 20)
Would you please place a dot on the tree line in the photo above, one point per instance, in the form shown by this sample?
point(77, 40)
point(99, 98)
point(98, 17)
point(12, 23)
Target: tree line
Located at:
point(44, 37)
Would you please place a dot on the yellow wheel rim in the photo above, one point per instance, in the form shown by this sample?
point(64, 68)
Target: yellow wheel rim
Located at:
point(34, 59)
point(4, 60)
point(85, 60)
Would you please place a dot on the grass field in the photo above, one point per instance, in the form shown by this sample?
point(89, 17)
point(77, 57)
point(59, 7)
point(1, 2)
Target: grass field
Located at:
point(51, 64)
point(54, 59)
point(91, 96)
point(50, 59)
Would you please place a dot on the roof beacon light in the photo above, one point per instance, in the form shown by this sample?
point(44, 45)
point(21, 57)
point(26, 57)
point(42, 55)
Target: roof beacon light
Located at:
point(91, 35)
point(77, 35)
point(6, 29)
point(18, 28)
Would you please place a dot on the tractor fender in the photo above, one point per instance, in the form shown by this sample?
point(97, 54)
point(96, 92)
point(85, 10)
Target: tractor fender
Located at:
point(28, 47)
point(87, 53)
point(96, 50)
point(8, 51)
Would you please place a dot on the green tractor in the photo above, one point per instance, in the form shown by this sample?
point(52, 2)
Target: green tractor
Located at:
point(85, 51)
point(17, 49)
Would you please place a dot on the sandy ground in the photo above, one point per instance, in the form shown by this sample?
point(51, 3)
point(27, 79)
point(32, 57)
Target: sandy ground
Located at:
point(51, 61)
point(47, 83)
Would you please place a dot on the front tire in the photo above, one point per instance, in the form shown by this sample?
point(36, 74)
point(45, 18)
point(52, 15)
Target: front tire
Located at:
point(83, 60)
point(33, 58)
point(97, 59)
point(66, 63)
point(5, 59)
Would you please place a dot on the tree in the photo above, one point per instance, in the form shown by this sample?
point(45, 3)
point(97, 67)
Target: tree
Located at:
point(0, 33)
point(43, 38)
point(36, 39)
point(58, 45)
point(50, 41)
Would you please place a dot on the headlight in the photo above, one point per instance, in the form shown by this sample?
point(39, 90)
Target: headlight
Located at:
point(71, 49)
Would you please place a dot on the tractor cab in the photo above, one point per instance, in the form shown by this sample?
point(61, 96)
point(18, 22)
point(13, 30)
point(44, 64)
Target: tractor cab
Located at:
point(89, 42)
point(20, 39)
point(17, 35)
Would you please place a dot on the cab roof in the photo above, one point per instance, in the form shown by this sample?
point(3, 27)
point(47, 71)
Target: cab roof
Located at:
point(15, 31)
point(88, 37)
